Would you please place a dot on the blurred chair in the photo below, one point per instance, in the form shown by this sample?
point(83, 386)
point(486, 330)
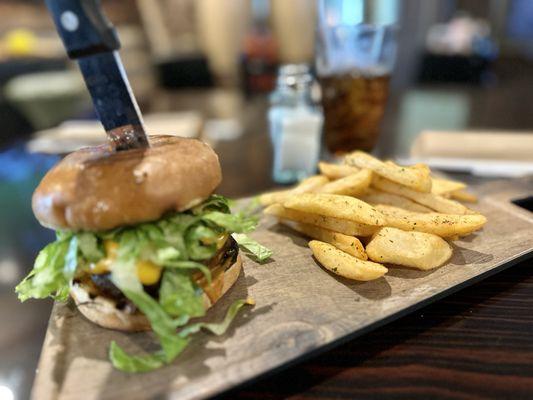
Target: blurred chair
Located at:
point(170, 27)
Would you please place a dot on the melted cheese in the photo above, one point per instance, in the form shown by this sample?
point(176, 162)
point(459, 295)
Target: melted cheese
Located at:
point(220, 240)
point(147, 272)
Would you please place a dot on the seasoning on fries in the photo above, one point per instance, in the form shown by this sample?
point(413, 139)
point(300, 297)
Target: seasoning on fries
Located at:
point(344, 226)
point(345, 265)
point(346, 243)
point(410, 249)
point(336, 171)
point(376, 196)
point(307, 185)
point(350, 185)
point(405, 216)
point(433, 201)
point(338, 206)
point(415, 177)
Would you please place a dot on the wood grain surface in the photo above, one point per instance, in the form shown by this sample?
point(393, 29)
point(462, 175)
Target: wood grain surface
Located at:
point(300, 309)
point(475, 344)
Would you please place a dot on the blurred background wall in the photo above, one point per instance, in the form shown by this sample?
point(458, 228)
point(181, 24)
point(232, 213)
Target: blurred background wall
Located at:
point(164, 40)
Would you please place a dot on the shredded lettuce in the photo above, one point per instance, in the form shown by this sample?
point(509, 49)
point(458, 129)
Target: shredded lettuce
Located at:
point(253, 248)
point(253, 207)
point(71, 259)
point(217, 328)
point(201, 242)
point(162, 324)
point(47, 279)
point(149, 362)
point(213, 203)
point(178, 243)
point(89, 248)
point(129, 363)
point(232, 222)
point(178, 295)
point(190, 265)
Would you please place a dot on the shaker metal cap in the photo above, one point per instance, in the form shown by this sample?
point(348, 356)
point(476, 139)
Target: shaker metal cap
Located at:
point(294, 75)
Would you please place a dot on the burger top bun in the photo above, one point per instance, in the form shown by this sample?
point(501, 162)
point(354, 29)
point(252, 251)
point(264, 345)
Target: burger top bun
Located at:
point(95, 189)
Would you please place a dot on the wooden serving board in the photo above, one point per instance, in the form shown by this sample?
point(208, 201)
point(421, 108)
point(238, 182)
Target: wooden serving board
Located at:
point(301, 309)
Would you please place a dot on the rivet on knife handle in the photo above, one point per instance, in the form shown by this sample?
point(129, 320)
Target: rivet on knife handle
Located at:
point(89, 38)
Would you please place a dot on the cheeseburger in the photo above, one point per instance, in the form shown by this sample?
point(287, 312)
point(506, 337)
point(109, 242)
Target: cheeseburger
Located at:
point(142, 243)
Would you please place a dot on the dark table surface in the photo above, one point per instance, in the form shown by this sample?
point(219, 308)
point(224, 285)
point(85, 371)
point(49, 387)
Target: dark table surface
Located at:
point(475, 344)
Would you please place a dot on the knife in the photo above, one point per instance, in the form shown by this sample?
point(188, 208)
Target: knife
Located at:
point(90, 39)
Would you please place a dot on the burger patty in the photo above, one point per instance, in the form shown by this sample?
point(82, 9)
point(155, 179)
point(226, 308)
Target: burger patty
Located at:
point(226, 256)
point(103, 285)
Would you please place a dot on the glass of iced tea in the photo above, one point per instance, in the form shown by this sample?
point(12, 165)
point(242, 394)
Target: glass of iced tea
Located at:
point(355, 54)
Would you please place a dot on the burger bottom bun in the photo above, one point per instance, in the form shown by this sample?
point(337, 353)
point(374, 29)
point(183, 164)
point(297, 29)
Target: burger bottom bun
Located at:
point(102, 311)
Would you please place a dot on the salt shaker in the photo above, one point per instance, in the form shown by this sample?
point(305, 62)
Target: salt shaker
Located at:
point(295, 121)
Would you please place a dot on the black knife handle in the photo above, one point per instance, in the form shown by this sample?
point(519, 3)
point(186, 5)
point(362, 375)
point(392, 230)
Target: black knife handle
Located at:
point(83, 27)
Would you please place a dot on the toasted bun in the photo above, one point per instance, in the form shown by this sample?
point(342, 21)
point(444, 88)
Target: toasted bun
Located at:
point(96, 189)
point(102, 311)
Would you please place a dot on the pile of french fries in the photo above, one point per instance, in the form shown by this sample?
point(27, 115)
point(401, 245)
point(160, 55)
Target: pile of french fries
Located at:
point(366, 213)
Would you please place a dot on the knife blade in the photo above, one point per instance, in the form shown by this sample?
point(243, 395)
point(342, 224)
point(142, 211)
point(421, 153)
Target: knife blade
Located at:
point(90, 39)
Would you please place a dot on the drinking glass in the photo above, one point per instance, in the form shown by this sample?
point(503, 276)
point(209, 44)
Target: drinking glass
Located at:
point(355, 54)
